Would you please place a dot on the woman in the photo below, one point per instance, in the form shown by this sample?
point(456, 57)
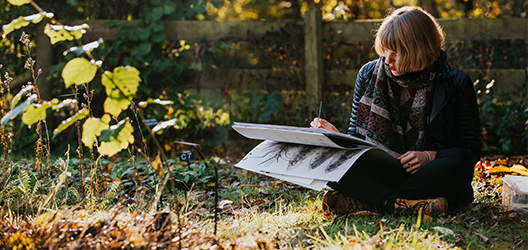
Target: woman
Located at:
point(412, 102)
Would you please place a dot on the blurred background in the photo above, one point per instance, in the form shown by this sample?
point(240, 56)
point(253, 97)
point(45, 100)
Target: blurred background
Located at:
point(225, 61)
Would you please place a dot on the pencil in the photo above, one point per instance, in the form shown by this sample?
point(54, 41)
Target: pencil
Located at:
point(320, 107)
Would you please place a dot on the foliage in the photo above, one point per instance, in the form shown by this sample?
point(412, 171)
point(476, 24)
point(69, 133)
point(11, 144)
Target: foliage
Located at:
point(504, 121)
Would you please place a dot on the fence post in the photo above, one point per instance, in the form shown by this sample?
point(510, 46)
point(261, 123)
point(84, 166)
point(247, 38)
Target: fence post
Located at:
point(313, 55)
point(44, 61)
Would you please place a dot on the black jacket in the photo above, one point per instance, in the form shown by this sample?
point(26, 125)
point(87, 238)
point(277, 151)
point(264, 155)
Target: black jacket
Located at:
point(453, 119)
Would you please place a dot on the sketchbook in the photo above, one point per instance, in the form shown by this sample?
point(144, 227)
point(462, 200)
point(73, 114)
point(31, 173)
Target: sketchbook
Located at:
point(306, 156)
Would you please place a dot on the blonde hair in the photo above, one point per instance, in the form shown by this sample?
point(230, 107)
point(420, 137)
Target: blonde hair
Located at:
point(414, 35)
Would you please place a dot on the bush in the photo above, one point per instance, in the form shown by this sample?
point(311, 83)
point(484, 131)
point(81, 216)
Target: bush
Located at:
point(503, 118)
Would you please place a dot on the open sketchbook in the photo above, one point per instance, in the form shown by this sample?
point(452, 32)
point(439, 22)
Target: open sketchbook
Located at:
point(308, 157)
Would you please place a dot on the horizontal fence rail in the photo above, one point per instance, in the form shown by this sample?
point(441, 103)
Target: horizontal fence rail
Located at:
point(316, 31)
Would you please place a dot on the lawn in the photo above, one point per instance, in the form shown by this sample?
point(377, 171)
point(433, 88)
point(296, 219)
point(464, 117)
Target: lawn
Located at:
point(126, 207)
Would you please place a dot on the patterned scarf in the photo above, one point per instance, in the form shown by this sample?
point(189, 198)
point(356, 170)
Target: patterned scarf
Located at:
point(392, 116)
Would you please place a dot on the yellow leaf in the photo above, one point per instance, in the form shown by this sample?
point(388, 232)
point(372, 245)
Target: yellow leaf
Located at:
point(78, 71)
point(93, 127)
point(519, 169)
point(118, 138)
point(58, 33)
point(33, 114)
point(81, 114)
point(502, 162)
point(501, 169)
point(114, 105)
point(24, 21)
point(126, 79)
point(157, 165)
point(19, 2)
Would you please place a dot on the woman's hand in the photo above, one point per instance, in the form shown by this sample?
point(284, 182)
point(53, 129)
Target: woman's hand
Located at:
point(322, 123)
point(414, 160)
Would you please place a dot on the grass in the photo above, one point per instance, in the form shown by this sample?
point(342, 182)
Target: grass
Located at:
point(256, 212)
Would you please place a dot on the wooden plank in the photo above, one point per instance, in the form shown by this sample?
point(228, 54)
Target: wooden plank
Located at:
point(509, 80)
point(313, 54)
point(358, 30)
point(211, 30)
point(481, 29)
point(194, 30)
point(455, 29)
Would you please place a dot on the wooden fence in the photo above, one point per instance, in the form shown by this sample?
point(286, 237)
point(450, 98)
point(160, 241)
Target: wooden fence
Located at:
point(316, 31)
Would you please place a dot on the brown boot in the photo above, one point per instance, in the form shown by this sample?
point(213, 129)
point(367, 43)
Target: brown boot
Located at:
point(429, 207)
point(340, 204)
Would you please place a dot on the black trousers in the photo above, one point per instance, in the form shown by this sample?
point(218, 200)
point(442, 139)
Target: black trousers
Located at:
point(449, 175)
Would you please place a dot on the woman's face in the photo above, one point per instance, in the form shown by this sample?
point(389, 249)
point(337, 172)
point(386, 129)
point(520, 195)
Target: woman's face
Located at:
point(390, 59)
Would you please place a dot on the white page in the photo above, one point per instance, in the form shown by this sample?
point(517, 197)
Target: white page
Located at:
point(312, 162)
point(307, 136)
point(314, 184)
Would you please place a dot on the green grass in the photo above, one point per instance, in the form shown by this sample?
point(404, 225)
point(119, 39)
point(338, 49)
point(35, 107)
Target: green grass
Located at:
point(257, 212)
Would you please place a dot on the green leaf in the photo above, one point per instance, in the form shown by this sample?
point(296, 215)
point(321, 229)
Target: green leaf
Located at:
point(168, 7)
point(19, 2)
point(24, 21)
point(59, 33)
point(93, 127)
point(143, 33)
point(117, 138)
point(158, 37)
point(157, 26)
point(35, 113)
point(68, 122)
point(78, 71)
point(156, 14)
point(17, 110)
point(144, 48)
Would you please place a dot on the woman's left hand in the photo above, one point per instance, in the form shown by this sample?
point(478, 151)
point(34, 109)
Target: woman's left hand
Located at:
point(414, 160)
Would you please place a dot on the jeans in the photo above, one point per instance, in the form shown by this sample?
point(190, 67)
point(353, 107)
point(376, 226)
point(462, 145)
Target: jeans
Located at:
point(371, 181)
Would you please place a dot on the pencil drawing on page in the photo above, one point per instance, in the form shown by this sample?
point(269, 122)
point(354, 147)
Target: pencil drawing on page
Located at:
point(330, 159)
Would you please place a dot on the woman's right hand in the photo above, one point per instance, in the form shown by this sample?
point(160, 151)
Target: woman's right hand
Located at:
point(322, 123)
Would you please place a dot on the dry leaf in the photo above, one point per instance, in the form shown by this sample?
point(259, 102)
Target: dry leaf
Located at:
point(519, 169)
point(499, 170)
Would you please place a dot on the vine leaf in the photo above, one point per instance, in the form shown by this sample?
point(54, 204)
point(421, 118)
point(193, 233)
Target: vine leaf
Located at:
point(35, 113)
point(19, 2)
point(24, 21)
point(116, 138)
point(78, 71)
point(58, 33)
point(81, 114)
point(17, 110)
point(93, 127)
